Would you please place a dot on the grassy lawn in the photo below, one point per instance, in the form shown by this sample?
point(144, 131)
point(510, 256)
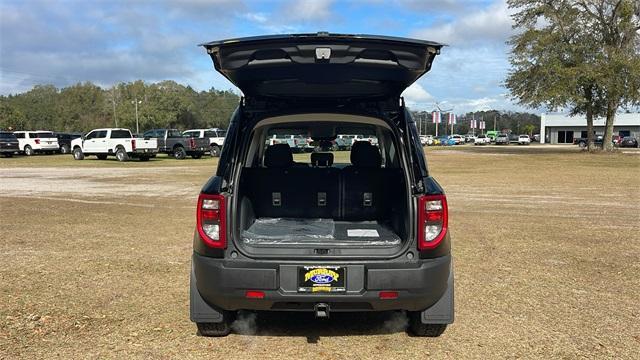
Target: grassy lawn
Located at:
point(96, 260)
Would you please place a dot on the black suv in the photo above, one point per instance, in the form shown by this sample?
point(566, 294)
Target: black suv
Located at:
point(64, 140)
point(322, 232)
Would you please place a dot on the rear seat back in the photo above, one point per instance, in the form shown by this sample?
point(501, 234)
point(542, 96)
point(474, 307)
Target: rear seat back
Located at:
point(366, 187)
point(362, 191)
point(285, 190)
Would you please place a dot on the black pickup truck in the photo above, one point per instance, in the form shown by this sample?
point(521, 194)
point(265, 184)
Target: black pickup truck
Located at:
point(173, 143)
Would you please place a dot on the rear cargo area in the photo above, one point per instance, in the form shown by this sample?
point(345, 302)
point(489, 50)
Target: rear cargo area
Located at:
point(284, 204)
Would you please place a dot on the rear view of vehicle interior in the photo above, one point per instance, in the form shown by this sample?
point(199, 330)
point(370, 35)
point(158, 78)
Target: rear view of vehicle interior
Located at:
point(323, 200)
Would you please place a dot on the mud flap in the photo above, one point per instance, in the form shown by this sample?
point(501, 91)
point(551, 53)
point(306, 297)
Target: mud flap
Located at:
point(200, 311)
point(442, 311)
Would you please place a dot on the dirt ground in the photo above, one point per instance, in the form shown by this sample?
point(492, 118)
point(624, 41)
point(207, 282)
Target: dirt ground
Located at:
point(95, 259)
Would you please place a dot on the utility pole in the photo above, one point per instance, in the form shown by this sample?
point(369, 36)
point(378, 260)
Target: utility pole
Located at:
point(113, 100)
point(136, 102)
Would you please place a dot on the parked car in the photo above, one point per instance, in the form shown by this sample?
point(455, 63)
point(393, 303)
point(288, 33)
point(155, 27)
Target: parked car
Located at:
point(9, 144)
point(446, 141)
point(116, 142)
point(524, 140)
point(482, 140)
point(64, 141)
point(426, 140)
point(216, 138)
point(275, 235)
point(344, 142)
point(469, 138)
point(536, 138)
point(629, 141)
point(616, 139)
point(502, 139)
point(173, 143)
point(582, 142)
point(457, 138)
point(32, 142)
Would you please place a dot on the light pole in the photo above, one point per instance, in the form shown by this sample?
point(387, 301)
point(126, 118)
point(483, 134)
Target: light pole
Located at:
point(136, 102)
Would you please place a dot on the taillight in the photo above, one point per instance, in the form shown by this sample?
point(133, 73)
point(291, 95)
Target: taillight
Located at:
point(211, 220)
point(192, 142)
point(432, 221)
point(133, 144)
point(37, 141)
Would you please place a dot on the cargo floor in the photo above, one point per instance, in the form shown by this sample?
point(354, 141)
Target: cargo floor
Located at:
point(318, 232)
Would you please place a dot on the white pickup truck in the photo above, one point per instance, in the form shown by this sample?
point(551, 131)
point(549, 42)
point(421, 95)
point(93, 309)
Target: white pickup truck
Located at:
point(113, 141)
point(215, 135)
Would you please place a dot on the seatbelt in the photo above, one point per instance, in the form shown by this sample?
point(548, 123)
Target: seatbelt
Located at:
point(276, 199)
point(367, 199)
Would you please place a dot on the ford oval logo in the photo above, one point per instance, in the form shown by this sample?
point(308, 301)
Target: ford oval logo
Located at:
point(322, 278)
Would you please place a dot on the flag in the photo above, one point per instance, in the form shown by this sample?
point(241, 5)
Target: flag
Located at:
point(482, 124)
point(452, 119)
point(435, 117)
point(473, 124)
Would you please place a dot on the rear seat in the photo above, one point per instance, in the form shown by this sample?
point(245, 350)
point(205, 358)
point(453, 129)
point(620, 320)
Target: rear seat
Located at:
point(358, 192)
point(366, 187)
point(282, 189)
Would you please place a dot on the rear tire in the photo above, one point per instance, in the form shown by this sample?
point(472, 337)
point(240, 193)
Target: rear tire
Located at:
point(28, 150)
point(217, 329)
point(122, 155)
point(215, 150)
point(179, 153)
point(64, 149)
point(417, 328)
point(78, 154)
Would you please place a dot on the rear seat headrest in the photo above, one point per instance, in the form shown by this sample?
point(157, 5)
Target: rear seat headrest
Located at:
point(278, 156)
point(322, 159)
point(363, 154)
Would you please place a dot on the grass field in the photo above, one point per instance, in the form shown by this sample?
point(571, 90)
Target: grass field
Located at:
point(96, 256)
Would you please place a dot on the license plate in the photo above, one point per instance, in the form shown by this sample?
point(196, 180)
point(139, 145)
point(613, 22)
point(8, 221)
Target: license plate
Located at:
point(318, 279)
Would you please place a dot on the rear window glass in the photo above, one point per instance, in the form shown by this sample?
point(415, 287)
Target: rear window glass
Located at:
point(43, 135)
point(120, 134)
point(222, 133)
point(173, 133)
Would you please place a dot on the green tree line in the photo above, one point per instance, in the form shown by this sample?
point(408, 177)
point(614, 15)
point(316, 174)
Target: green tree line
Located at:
point(86, 106)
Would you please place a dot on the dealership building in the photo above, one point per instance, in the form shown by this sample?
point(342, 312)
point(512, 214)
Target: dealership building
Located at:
point(562, 129)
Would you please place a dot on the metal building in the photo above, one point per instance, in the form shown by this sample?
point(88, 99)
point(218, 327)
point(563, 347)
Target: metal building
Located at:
point(562, 129)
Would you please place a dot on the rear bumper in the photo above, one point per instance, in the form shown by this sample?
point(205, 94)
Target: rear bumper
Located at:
point(222, 283)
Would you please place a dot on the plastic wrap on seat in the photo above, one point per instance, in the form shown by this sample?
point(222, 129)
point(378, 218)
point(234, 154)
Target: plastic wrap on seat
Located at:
point(317, 232)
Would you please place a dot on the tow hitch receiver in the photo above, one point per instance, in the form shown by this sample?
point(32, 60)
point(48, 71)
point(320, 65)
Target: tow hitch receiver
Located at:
point(321, 310)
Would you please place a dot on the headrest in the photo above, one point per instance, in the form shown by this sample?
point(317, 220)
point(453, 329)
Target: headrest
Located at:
point(278, 156)
point(363, 154)
point(321, 159)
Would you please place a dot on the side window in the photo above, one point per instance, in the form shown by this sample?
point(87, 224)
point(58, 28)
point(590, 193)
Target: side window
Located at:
point(209, 134)
point(119, 134)
point(100, 134)
point(90, 135)
point(20, 135)
point(172, 133)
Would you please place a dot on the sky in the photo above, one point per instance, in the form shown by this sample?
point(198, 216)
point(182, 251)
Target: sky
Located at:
point(63, 42)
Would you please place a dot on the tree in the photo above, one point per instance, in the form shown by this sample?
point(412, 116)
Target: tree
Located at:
point(581, 55)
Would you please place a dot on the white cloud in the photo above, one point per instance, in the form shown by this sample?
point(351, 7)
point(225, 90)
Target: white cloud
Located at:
point(308, 10)
point(491, 25)
point(417, 97)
